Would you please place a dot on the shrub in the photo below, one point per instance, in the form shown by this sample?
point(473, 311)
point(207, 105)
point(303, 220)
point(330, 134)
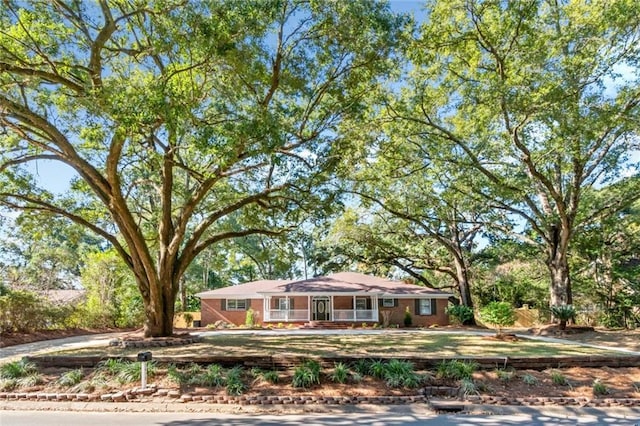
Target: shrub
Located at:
point(408, 319)
point(456, 370)
point(401, 374)
point(132, 371)
point(17, 369)
point(31, 379)
point(377, 368)
point(461, 313)
point(71, 378)
point(529, 379)
point(340, 373)
point(468, 387)
point(599, 388)
point(505, 375)
point(563, 313)
point(271, 376)
point(361, 367)
point(213, 376)
point(500, 314)
point(250, 318)
point(559, 379)
point(235, 385)
point(306, 375)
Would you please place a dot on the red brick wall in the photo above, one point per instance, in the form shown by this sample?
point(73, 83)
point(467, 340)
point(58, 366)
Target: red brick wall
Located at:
point(212, 311)
point(397, 314)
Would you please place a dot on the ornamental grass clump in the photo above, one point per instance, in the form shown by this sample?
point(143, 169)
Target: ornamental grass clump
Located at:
point(19, 374)
point(71, 378)
point(306, 375)
point(234, 383)
point(340, 373)
point(399, 373)
point(455, 369)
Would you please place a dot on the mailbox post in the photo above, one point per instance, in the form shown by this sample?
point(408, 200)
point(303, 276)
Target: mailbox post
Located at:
point(143, 357)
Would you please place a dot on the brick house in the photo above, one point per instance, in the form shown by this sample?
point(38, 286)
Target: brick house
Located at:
point(344, 298)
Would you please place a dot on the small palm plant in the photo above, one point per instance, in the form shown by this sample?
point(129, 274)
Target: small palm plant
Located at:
point(563, 313)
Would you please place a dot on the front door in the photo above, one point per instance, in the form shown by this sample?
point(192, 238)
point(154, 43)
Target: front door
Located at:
point(321, 308)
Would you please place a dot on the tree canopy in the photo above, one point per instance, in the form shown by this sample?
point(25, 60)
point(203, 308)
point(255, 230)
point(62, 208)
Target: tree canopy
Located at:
point(186, 122)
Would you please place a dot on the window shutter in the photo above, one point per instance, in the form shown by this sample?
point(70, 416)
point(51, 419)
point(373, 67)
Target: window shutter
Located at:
point(395, 303)
point(368, 305)
point(223, 304)
point(417, 311)
point(433, 306)
point(291, 304)
point(247, 304)
point(380, 302)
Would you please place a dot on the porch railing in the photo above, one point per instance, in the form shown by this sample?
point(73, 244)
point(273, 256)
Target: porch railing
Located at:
point(287, 315)
point(355, 315)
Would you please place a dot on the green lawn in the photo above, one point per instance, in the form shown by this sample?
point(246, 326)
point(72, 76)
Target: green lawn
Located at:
point(438, 345)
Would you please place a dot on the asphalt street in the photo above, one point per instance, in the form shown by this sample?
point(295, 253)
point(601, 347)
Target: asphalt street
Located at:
point(398, 415)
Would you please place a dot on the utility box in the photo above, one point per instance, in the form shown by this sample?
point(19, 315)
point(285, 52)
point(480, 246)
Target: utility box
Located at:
point(144, 356)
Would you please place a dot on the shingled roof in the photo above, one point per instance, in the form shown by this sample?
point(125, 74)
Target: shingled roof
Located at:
point(343, 282)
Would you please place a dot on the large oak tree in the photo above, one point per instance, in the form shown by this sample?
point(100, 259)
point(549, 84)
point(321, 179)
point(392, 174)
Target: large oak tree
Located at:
point(540, 100)
point(186, 122)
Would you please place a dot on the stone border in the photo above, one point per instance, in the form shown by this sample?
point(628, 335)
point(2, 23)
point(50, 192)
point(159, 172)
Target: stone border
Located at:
point(554, 400)
point(153, 394)
point(154, 343)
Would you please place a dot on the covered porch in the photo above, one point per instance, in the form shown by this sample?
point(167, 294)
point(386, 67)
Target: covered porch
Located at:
point(321, 307)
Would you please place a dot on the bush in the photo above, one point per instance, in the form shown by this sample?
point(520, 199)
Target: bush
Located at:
point(456, 370)
point(250, 318)
point(505, 375)
point(71, 378)
point(235, 385)
point(17, 369)
point(563, 313)
point(529, 379)
point(401, 374)
point(500, 314)
point(599, 388)
point(461, 313)
point(361, 367)
point(340, 373)
point(306, 375)
point(408, 319)
point(559, 379)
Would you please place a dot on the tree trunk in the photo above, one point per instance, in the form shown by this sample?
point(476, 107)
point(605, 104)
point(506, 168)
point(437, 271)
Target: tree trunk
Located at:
point(464, 286)
point(558, 265)
point(159, 310)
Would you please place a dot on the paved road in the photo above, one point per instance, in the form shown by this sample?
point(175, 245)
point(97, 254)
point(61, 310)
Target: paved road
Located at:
point(537, 416)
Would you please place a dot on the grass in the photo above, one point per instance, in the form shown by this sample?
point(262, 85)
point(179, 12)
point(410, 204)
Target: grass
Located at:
point(439, 345)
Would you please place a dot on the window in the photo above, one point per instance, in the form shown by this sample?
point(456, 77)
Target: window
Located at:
point(426, 306)
point(361, 303)
point(388, 303)
point(236, 304)
point(283, 304)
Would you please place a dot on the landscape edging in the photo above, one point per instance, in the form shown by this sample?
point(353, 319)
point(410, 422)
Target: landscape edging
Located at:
point(162, 395)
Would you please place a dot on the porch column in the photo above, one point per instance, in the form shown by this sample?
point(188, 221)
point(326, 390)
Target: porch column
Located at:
point(354, 312)
point(286, 313)
point(374, 307)
point(331, 301)
point(266, 303)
